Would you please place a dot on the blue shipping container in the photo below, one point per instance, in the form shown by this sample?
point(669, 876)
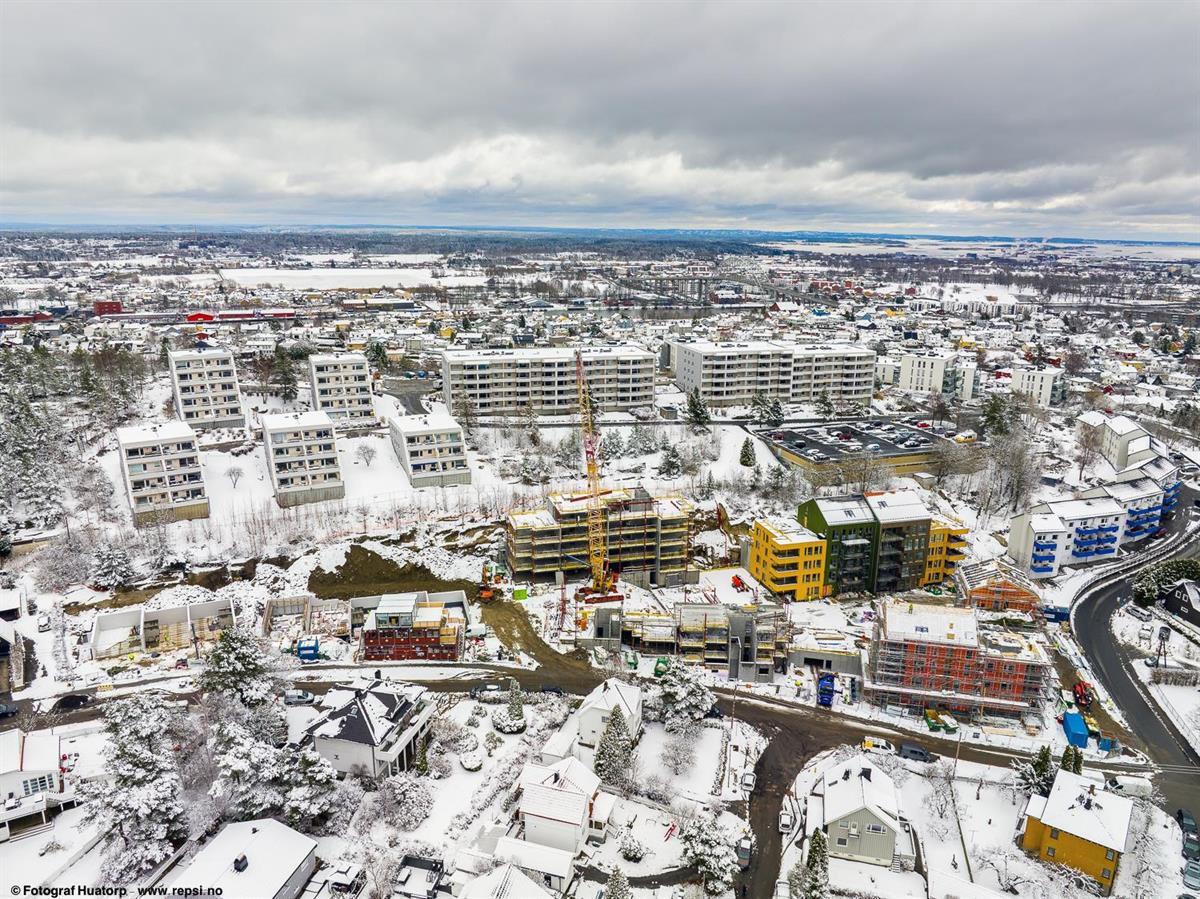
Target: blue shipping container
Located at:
point(1076, 729)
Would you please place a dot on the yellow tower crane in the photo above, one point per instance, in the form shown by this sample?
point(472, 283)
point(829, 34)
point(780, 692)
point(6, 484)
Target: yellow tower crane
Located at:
point(603, 581)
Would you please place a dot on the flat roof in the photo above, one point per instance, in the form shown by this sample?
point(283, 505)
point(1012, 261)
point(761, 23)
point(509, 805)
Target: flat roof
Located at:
point(845, 510)
point(556, 353)
point(431, 421)
point(168, 430)
point(929, 623)
point(899, 505)
point(288, 420)
point(787, 530)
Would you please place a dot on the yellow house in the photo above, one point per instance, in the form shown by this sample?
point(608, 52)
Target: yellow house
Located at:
point(1080, 826)
point(947, 547)
point(788, 558)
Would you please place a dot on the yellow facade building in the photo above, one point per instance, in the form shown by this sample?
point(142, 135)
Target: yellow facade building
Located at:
point(947, 547)
point(1080, 826)
point(787, 558)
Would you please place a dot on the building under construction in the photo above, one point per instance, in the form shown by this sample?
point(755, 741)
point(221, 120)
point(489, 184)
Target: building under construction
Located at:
point(415, 626)
point(996, 586)
point(646, 537)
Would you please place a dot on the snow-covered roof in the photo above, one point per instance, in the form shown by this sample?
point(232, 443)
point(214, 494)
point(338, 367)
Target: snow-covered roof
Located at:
point(167, 430)
point(546, 801)
point(787, 530)
point(273, 854)
point(288, 421)
point(857, 784)
point(897, 506)
point(845, 510)
point(929, 624)
point(569, 775)
point(613, 692)
point(366, 715)
point(1075, 805)
point(505, 882)
point(438, 422)
point(10, 751)
point(535, 857)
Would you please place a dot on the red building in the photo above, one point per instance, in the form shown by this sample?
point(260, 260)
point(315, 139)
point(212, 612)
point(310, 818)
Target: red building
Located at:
point(939, 657)
point(414, 626)
point(107, 307)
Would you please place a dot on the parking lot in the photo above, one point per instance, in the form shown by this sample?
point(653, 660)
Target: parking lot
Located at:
point(832, 442)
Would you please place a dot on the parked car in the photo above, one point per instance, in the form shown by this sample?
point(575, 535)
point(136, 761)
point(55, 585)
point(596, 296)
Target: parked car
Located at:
point(554, 691)
point(786, 820)
point(1191, 847)
point(7, 710)
point(181, 665)
point(43, 623)
point(1191, 875)
point(915, 753)
point(298, 697)
point(745, 849)
point(749, 780)
point(714, 712)
point(72, 701)
point(878, 745)
point(485, 690)
point(1152, 662)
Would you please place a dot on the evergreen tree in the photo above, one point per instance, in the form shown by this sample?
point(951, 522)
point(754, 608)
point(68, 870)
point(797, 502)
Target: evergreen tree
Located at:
point(1077, 762)
point(516, 700)
point(747, 456)
point(996, 417)
point(614, 752)
point(422, 761)
point(137, 802)
point(612, 446)
point(285, 376)
point(1036, 776)
point(617, 886)
point(239, 667)
point(671, 465)
point(775, 413)
point(825, 405)
point(685, 698)
point(816, 880)
point(110, 567)
point(698, 415)
point(377, 356)
point(760, 408)
point(708, 847)
point(1068, 758)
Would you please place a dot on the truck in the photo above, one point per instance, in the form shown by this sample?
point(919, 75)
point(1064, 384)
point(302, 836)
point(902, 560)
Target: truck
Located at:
point(826, 687)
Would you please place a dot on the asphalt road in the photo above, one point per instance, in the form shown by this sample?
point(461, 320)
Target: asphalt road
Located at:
point(1111, 662)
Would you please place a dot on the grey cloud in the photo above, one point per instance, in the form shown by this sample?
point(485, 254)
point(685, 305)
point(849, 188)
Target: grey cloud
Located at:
point(701, 112)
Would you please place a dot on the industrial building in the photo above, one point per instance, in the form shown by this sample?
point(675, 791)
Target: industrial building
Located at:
point(415, 626)
point(431, 449)
point(542, 380)
point(787, 558)
point(161, 469)
point(205, 386)
point(301, 451)
point(341, 387)
point(939, 657)
point(733, 373)
point(646, 536)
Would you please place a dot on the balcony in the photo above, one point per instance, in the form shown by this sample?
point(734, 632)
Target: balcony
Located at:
point(1108, 528)
point(1043, 558)
point(1042, 569)
point(1042, 544)
point(1086, 532)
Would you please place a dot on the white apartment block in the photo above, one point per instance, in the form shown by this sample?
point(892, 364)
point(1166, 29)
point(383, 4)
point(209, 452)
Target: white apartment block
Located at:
point(512, 381)
point(935, 371)
point(1047, 386)
point(206, 388)
point(732, 373)
point(1123, 442)
point(1067, 532)
point(341, 387)
point(163, 477)
point(301, 450)
point(431, 449)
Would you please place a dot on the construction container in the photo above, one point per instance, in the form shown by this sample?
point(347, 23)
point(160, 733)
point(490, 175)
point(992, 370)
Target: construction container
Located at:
point(1075, 729)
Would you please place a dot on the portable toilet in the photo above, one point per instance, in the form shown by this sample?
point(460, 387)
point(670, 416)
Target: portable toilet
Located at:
point(1076, 729)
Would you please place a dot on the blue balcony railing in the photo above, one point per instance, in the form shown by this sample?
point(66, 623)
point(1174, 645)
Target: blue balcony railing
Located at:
point(1086, 532)
point(1040, 558)
point(1106, 550)
point(1042, 569)
point(1109, 528)
point(1044, 545)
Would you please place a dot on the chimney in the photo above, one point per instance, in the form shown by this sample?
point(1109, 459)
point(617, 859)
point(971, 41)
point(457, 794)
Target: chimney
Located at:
point(241, 863)
point(1092, 790)
point(865, 774)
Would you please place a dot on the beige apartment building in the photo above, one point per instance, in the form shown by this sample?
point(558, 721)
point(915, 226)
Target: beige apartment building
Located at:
point(161, 468)
point(341, 387)
point(301, 450)
point(206, 388)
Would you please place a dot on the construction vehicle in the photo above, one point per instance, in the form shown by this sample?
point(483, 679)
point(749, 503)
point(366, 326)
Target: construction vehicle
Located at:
point(1083, 694)
point(603, 582)
point(826, 687)
point(486, 591)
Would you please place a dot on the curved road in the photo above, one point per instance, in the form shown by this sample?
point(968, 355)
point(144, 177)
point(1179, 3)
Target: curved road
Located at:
point(1111, 662)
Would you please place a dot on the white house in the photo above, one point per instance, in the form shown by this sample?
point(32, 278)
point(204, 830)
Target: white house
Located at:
point(562, 806)
point(262, 859)
point(581, 732)
point(858, 807)
point(29, 772)
point(505, 882)
point(375, 727)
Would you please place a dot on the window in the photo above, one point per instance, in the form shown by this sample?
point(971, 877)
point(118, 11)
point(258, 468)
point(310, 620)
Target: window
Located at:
point(844, 825)
point(876, 828)
point(1108, 856)
point(43, 784)
point(1050, 852)
point(842, 841)
point(1054, 833)
point(1106, 873)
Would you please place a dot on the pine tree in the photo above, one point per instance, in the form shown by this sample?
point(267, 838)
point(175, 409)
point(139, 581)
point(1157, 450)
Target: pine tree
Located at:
point(612, 446)
point(614, 752)
point(698, 415)
point(775, 414)
point(760, 408)
point(825, 405)
point(1077, 762)
point(239, 667)
point(377, 356)
point(110, 567)
point(816, 880)
point(516, 700)
point(1067, 762)
point(137, 804)
point(422, 761)
point(671, 465)
point(617, 886)
point(285, 376)
point(710, 849)
point(747, 456)
point(685, 698)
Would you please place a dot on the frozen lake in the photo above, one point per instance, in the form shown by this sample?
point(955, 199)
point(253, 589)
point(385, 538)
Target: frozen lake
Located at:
point(332, 278)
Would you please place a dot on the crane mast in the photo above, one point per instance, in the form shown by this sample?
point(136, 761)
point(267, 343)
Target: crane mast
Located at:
point(597, 544)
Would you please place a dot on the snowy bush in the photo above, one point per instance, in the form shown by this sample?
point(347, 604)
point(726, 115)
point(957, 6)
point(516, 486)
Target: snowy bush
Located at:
point(61, 563)
point(679, 752)
point(242, 666)
point(110, 567)
point(404, 801)
point(709, 847)
point(631, 848)
point(511, 718)
point(492, 742)
point(472, 760)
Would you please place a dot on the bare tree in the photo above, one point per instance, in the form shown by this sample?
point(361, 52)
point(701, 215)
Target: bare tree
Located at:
point(234, 473)
point(1087, 448)
point(1009, 867)
point(365, 454)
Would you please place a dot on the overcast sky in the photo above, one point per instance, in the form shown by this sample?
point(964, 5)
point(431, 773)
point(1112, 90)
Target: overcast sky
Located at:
point(1003, 118)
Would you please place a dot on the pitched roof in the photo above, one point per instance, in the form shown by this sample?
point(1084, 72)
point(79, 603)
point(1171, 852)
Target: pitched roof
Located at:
point(368, 716)
point(1076, 806)
point(612, 692)
point(506, 882)
point(858, 784)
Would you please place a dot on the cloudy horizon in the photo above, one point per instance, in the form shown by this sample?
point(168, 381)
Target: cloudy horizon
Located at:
point(1003, 119)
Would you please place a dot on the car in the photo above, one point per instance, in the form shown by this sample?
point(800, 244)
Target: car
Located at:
point(714, 712)
point(181, 665)
point(554, 691)
point(874, 448)
point(298, 697)
point(915, 753)
point(878, 745)
point(1191, 847)
point(1187, 821)
point(1191, 875)
point(1152, 662)
point(72, 701)
point(485, 690)
point(7, 709)
point(745, 848)
point(749, 781)
point(1159, 534)
point(786, 820)
point(43, 623)
point(924, 425)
